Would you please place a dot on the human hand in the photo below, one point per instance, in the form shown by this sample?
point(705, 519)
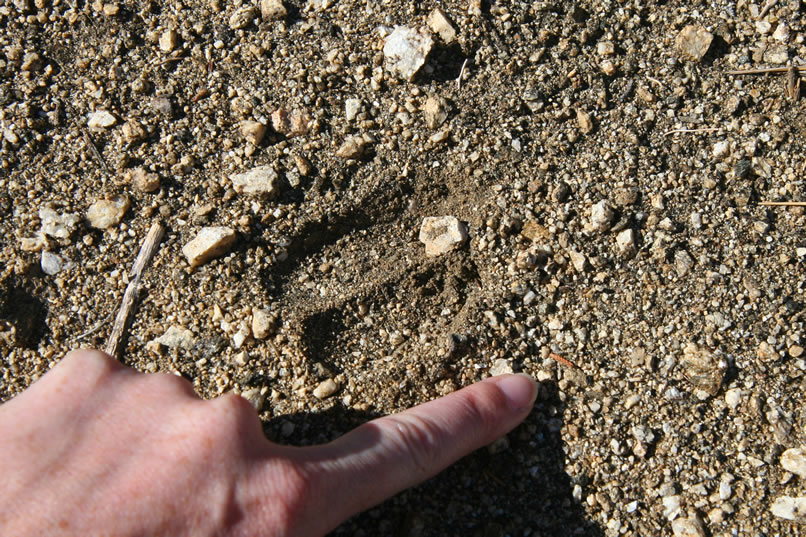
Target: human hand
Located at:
point(96, 448)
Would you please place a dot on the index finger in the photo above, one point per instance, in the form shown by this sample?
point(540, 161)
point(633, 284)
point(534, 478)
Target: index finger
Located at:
point(389, 454)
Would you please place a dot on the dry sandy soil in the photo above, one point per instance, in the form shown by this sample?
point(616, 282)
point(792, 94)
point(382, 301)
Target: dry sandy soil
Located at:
point(609, 171)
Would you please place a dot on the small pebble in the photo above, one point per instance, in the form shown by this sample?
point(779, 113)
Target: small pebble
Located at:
point(790, 508)
point(107, 213)
point(693, 42)
point(325, 389)
point(405, 51)
point(51, 263)
point(441, 234)
point(101, 119)
point(440, 24)
point(794, 460)
point(210, 242)
point(272, 9)
point(259, 181)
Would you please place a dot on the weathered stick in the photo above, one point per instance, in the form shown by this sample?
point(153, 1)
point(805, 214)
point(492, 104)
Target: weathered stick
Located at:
point(783, 203)
point(681, 131)
point(765, 70)
point(766, 9)
point(461, 73)
point(126, 312)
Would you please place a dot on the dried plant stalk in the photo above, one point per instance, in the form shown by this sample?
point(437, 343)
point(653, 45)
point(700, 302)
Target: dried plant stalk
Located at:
point(126, 312)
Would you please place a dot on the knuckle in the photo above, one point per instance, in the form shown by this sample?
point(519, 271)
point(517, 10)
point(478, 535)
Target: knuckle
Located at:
point(91, 361)
point(85, 369)
point(236, 412)
point(482, 406)
point(172, 384)
point(419, 441)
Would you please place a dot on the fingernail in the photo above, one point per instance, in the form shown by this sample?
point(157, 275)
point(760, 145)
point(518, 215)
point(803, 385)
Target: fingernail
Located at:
point(520, 390)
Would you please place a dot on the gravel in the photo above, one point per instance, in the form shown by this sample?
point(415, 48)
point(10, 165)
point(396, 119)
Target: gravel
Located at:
point(608, 173)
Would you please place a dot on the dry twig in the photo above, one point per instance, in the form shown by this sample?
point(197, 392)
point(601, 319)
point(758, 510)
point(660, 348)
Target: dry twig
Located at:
point(767, 70)
point(678, 131)
point(94, 150)
point(562, 360)
point(125, 314)
point(461, 73)
point(766, 9)
point(792, 84)
point(94, 329)
point(783, 203)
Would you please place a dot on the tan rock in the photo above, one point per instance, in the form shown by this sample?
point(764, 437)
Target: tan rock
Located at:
point(144, 181)
point(440, 24)
point(242, 17)
point(107, 213)
point(352, 148)
point(272, 9)
point(263, 323)
point(441, 234)
point(693, 42)
point(260, 181)
point(584, 121)
point(794, 460)
point(435, 110)
point(253, 131)
point(325, 389)
point(168, 40)
point(211, 242)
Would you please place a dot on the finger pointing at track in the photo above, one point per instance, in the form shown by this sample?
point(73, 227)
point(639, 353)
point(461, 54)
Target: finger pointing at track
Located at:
point(389, 454)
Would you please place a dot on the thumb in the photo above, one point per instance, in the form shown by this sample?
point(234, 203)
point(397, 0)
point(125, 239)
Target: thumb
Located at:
point(389, 454)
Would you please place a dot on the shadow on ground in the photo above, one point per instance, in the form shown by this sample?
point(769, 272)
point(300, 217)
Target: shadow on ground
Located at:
point(521, 490)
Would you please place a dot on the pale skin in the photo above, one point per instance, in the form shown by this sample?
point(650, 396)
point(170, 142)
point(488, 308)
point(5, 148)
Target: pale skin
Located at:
point(95, 448)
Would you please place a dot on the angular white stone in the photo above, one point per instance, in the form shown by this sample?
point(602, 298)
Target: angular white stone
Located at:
point(441, 234)
point(693, 42)
point(625, 241)
point(253, 131)
point(688, 527)
point(733, 397)
point(51, 263)
point(242, 17)
point(501, 366)
point(440, 24)
point(262, 181)
point(104, 214)
point(790, 508)
point(578, 260)
point(602, 215)
point(256, 396)
point(351, 108)
point(272, 9)
point(60, 226)
point(168, 40)
point(101, 119)
point(262, 323)
point(209, 243)
point(794, 460)
point(405, 51)
point(176, 337)
point(721, 149)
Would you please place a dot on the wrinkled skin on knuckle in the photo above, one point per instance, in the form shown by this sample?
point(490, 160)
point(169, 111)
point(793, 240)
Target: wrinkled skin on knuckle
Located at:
point(170, 385)
point(233, 420)
point(418, 440)
point(87, 368)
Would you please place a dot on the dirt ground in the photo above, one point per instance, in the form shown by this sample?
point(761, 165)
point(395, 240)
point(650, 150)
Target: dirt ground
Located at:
point(610, 172)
